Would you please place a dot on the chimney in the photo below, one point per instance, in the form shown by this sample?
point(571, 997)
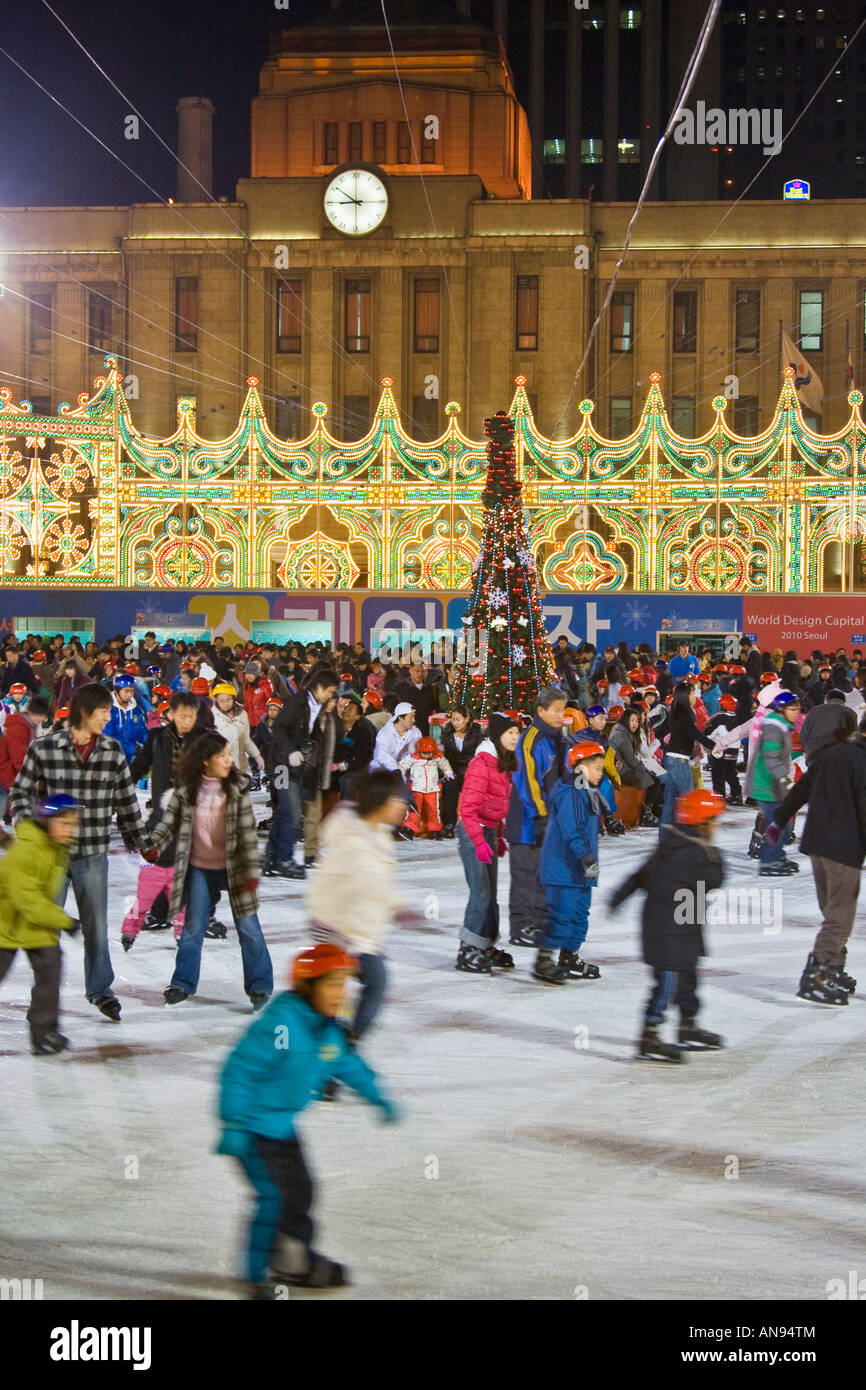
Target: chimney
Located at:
point(194, 149)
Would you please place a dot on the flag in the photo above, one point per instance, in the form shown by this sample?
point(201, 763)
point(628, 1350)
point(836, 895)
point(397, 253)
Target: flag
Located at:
point(807, 382)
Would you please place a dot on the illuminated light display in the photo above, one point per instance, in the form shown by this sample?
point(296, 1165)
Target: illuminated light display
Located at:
point(88, 502)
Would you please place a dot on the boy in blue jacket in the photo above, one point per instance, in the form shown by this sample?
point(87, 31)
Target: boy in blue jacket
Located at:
point(128, 722)
point(283, 1061)
point(569, 866)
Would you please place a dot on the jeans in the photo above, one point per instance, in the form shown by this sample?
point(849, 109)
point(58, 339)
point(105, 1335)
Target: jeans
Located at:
point(89, 878)
point(678, 780)
point(771, 854)
point(481, 917)
point(567, 917)
point(203, 888)
point(373, 978)
point(284, 1189)
point(286, 823)
point(679, 987)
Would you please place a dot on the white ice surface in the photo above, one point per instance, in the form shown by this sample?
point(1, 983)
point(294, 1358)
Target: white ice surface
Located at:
point(560, 1167)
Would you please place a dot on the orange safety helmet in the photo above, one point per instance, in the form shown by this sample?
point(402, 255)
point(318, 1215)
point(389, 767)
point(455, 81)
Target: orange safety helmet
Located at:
point(616, 712)
point(62, 713)
point(720, 668)
point(164, 690)
point(727, 702)
point(315, 961)
point(18, 689)
point(601, 685)
point(187, 665)
point(275, 701)
point(38, 657)
point(428, 747)
point(200, 686)
point(736, 670)
point(161, 709)
point(767, 677)
point(635, 676)
point(581, 751)
point(132, 668)
point(374, 698)
point(697, 807)
point(626, 690)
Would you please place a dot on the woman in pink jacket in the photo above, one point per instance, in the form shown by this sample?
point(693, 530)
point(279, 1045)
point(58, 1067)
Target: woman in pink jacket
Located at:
point(480, 839)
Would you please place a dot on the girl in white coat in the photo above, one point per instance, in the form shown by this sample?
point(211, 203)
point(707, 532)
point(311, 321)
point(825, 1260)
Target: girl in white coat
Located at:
point(230, 720)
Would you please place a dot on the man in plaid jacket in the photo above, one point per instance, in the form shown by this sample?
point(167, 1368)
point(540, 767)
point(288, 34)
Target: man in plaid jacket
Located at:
point(82, 762)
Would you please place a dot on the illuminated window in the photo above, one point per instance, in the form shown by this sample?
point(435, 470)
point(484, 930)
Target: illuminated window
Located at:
point(593, 17)
point(426, 315)
point(747, 320)
point(40, 315)
point(186, 313)
point(622, 321)
point(591, 150)
point(380, 146)
point(628, 151)
point(358, 312)
point(356, 140)
point(290, 303)
point(811, 320)
point(526, 325)
point(554, 151)
point(629, 19)
point(332, 142)
point(685, 324)
point(404, 143)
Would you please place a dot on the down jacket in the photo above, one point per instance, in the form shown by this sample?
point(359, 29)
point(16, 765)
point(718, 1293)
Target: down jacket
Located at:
point(486, 794)
point(235, 729)
point(769, 776)
point(32, 874)
point(18, 734)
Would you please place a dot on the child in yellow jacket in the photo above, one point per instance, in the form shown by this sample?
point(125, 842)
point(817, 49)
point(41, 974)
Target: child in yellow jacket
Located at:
point(32, 873)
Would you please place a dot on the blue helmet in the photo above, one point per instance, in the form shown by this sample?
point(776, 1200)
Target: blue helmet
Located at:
point(167, 649)
point(153, 670)
point(124, 682)
point(785, 697)
point(57, 806)
point(594, 710)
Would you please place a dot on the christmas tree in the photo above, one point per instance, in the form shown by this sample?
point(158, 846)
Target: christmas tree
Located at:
point(504, 622)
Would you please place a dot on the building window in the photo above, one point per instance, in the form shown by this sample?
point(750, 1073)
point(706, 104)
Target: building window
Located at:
point(622, 321)
point(99, 319)
point(629, 18)
point(40, 316)
point(404, 143)
point(380, 142)
point(356, 140)
point(526, 325)
point(425, 418)
point(685, 320)
point(811, 320)
point(332, 142)
point(592, 150)
point(554, 151)
point(628, 150)
point(426, 315)
point(357, 315)
point(429, 150)
point(287, 418)
point(186, 313)
point(356, 416)
point(683, 417)
point(620, 416)
point(746, 415)
point(747, 325)
point(290, 305)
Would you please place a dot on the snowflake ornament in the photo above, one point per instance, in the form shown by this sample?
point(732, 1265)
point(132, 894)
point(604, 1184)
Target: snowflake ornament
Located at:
point(497, 598)
point(518, 654)
point(526, 557)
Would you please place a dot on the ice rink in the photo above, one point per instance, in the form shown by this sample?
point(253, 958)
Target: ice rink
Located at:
point(536, 1158)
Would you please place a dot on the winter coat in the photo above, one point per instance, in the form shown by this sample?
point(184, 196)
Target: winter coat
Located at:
point(727, 720)
point(158, 755)
point(460, 758)
point(32, 874)
point(769, 774)
point(128, 724)
point(256, 696)
point(711, 697)
point(353, 894)
point(291, 733)
point(425, 774)
point(835, 788)
point(826, 725)
point(18, 734)
point(242, 850)
point(391, 746)
point(630, 766)
point(235, 729)
point(572, 835)
point(354, 746)
point(540, 755)
point(425, 702)
point(676, 878)
point(21, 673)
point(485, 796)
point(265, 1085)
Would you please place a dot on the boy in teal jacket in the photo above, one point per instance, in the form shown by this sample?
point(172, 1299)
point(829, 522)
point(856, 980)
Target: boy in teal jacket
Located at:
point(282, 1062)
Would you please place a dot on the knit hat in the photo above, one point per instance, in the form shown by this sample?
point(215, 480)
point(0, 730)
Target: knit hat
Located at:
point(498, 723)
point(253, 668)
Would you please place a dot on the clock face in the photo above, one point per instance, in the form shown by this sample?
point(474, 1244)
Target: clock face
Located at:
point(356, 201)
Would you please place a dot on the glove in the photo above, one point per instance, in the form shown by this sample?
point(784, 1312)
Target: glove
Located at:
point(773, 833)
point(501, 846)
point(590, 868)
point(484, 852)
point(151, 855)
point(786, 782)
point(74, 927)
point(296, 759)
point(718, 753)
point(390, 1113)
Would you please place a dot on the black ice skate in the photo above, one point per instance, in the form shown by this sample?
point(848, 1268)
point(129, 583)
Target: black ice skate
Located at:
point(174, 995)
point(848, 983)
point(155, 921)
point(735, 800)
point(819, 983)
point(652, 1048)
point(264, 826)
point(217, 931)
point(698, 1039)
point(502, 960)
point(473, 961)
point(779, 868)
point(577, 969)
point(49, 1044)
point(302, 1268)
point(285, 868)
point(647, 818)
point(614, 826)
point(546, 970)
point(755, 844)
point(524, 936)
point(258, 999)
point(108, 1005)
point(127, 942)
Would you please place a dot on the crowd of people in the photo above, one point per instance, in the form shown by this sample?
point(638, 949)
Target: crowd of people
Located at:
point(354, 756)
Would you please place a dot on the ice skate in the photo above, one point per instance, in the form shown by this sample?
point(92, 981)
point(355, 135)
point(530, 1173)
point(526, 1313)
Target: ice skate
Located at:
point(174, 995)
point(264, 826)
point(502, 960)
point(647, 818)
point(546, 970)
point(301, 1268)
point(154, 921)
point(258, 999)
point(473, 961)
point(284, 868)
point(330, 1090)
point(614, 826)
point(577, 969)
point(735, 800)
point(217, 931)
point(127, 941)
point(49, 1044)
point(653, 1048)
point(108, 1005)
point(524, 936)
point(755, 844)
point(698, 1039)
point(846, 981)
point(779, 868)
point(820, 984)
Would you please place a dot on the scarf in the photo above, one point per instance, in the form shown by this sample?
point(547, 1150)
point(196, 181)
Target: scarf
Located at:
point(596, 800)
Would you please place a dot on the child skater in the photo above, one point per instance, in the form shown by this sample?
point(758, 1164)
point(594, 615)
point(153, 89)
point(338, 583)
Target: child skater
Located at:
point(282, 1062)
point(569, 866)
point(425, 767)
point(32, 875)
point(676, 879)
point(210, 815)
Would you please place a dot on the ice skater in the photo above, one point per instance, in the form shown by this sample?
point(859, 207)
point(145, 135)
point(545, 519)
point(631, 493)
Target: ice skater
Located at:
point(481, 841)
point(284, 1061)
point(676, 879)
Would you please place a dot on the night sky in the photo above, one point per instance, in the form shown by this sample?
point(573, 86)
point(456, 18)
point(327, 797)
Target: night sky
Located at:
point(156, 51)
